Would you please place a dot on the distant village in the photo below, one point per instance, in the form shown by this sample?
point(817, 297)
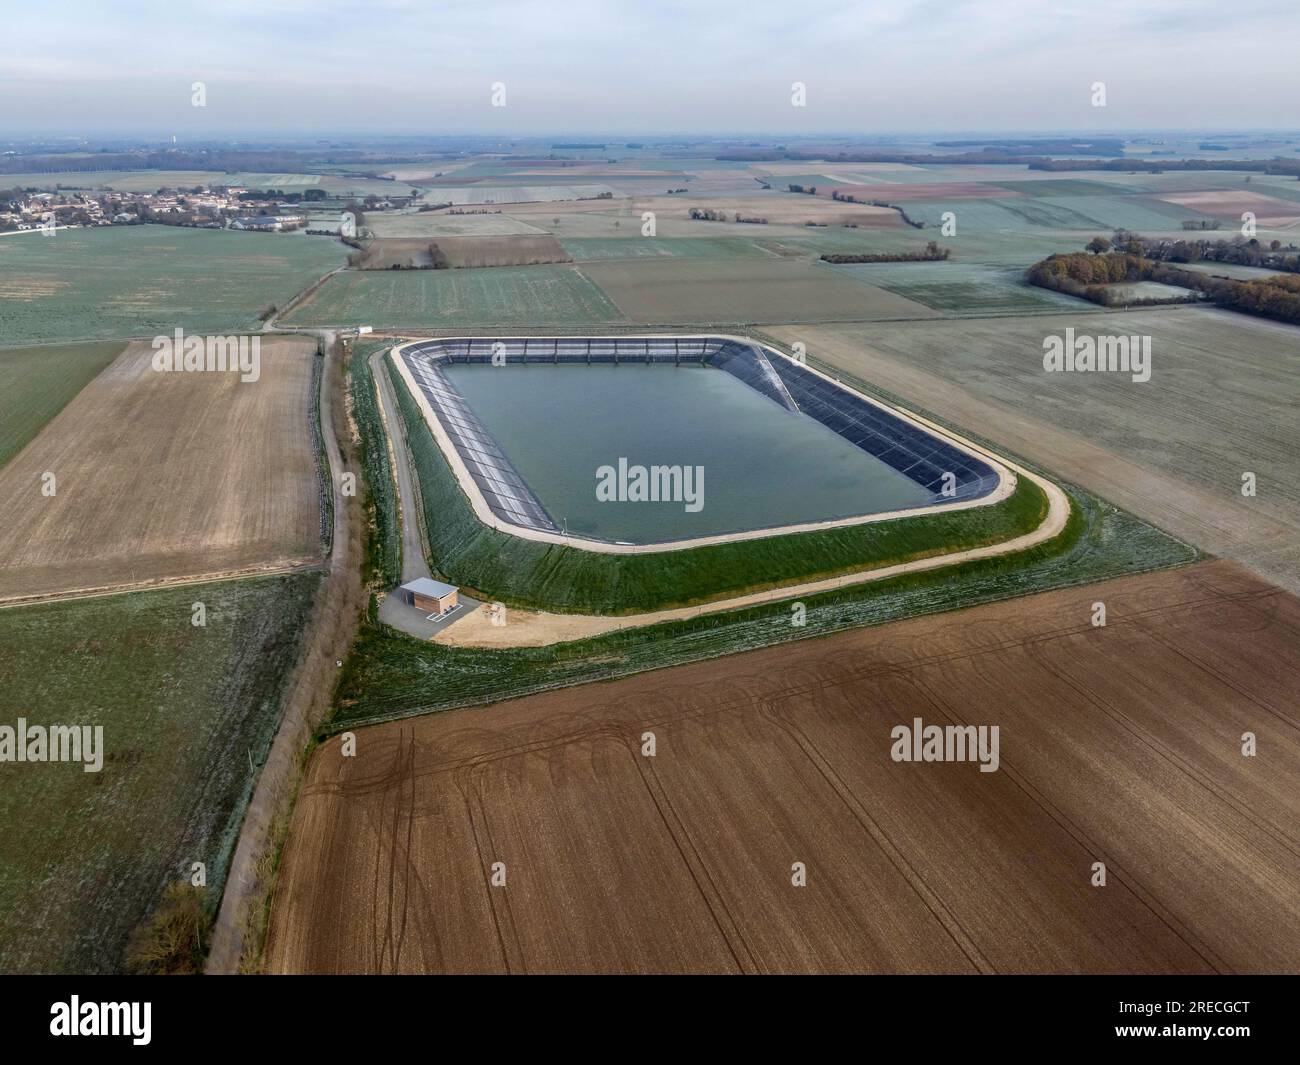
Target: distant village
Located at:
point(201, 207)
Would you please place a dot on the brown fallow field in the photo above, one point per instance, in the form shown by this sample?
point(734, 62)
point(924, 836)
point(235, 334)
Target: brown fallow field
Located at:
point(518, 250)
point(1228, 205)
point(415, 252)
point(781, 208)
point(1119, 744)
point(390, 252)
point(163, 476)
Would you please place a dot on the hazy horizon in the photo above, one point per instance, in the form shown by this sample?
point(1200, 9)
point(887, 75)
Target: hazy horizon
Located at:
point(342, 68)
point(614, 138)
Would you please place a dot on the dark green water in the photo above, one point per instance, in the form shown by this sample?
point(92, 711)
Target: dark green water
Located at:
point(763, 465)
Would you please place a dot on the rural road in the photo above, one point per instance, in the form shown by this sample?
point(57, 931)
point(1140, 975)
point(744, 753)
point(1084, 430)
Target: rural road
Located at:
point(413, 563)
point(335, 617)
point(392, 611)
point(271, 325)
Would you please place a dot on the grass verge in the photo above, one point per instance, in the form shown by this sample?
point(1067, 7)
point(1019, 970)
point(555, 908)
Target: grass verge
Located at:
point(383, 539)
point(390, 675)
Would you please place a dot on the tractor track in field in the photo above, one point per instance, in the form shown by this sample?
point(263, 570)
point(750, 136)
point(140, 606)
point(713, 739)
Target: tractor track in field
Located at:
point(681, 862)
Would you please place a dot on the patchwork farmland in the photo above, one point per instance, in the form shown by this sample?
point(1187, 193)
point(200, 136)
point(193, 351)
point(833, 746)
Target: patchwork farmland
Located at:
point(714, 837)
point(959, 289)
point(517, 736)
point(1172, 449)
point(681, 862)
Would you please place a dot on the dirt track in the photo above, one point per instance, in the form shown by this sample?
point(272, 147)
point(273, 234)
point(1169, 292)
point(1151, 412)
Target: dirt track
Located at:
point(333, 626)
point(1118, 744)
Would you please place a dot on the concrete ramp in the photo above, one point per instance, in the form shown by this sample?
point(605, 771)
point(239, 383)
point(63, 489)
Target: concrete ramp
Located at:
point(751, 365)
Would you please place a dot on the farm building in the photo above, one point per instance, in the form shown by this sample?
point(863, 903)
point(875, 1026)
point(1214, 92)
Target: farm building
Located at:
point(260, 222)
point(433, 596)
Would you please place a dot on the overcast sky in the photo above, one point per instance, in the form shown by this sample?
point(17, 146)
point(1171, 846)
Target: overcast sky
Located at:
point(88, 67)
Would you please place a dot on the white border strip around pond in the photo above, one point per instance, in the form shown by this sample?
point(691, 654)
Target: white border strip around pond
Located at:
point(484, 512)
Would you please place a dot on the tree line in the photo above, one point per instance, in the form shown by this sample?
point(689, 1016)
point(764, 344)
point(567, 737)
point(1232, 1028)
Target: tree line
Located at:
point(1091, 275)
point(704, 214)
point(1239, 251)
point(931, 253)
point(1288, 167)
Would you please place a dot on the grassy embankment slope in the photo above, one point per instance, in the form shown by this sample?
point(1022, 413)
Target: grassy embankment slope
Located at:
point(526, 573)
point(390, 675)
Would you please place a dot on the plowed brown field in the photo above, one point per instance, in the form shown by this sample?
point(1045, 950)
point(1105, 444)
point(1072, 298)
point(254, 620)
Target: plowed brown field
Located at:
point(162, 476)
point(1119, 744)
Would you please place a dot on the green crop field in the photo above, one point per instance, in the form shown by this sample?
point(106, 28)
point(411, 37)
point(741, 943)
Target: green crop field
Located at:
point(1208, 366)
point(1065, 214)
point(36, 383)
point(495, 565)
point(1054, 187)
point(1284, 188)
point(1129, 212)
point(989, 215)
point(972, 243)
point(188, 714)
point(91, 284)
point(1172, 449)
point(959, 289)
point(503, 295)
point(1007, 247)
point(1071, 213)
point(742, 292)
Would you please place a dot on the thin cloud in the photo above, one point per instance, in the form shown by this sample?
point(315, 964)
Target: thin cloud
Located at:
point(406, 66)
